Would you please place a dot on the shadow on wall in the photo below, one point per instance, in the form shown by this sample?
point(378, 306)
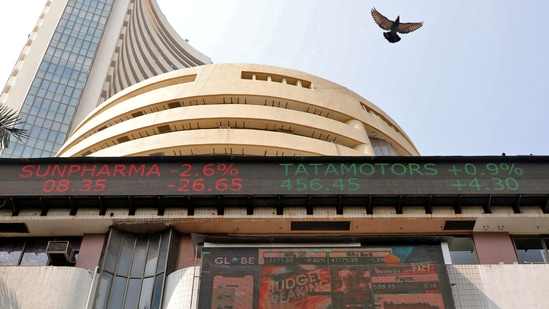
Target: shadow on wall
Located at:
point(8, 300)
point(466, 292)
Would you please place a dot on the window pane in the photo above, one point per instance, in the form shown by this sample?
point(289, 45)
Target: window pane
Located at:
point(530, 250)
point(10, 252)
point(139, 256)
point(146, 293)
point(112, 251)
point(383, 148)
point(131, 255)
point(163, 254)
point(157, 292)
point(102, 294)
point(35, 252)
point(546, 243)
point(462, 250)
point(118, 292)
point(152, 256)
point(126, 254)
point(133, 294)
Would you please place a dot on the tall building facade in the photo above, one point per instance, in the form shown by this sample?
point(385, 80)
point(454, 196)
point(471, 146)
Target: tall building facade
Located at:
point(79, 54)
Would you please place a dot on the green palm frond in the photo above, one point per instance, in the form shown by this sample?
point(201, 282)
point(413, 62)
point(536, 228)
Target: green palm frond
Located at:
point(8, 121)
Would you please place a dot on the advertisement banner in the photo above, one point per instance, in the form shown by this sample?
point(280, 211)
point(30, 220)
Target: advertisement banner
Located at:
point(397, 277)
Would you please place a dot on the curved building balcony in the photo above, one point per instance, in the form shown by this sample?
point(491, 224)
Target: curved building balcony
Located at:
point(237, 109)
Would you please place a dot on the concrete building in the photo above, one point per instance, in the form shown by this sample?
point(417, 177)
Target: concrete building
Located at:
point(252, 186)
point(237, 109)
point(168, 186)
point(79, 54)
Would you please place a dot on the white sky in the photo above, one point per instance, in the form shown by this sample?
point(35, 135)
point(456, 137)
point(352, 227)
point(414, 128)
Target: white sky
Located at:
point(473, 81)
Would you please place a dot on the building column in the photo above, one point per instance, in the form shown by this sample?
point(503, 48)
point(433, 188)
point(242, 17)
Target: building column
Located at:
point(90, 251)
point(186, 252)
point(494, 248)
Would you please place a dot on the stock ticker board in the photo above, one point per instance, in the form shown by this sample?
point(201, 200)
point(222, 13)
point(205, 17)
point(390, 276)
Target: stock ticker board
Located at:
point(275, 176)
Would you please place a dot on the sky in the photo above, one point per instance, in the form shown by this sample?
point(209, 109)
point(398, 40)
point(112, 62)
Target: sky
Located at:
point(474, 80)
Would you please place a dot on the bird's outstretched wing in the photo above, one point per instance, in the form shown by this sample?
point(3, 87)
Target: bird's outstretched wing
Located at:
point(409, 27)
point(381, 20)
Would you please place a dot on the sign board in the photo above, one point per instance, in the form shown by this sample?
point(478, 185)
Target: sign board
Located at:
point(275, 176)
point(300, 278)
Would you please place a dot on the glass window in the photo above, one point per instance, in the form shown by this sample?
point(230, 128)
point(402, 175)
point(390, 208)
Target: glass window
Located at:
point(30, 251)
point(58, 64)
point(162, 254)
point(462, 250)
point(140, 254)
point(118, 292)
point(126, 255)
point(132, 296)
point(25, 152)
point(10, 252)
point(530, 250)
point(41, 93)
point(157, 292)
point(112, 252)
point(48, 146)
point(382, 147)
point(60, 138)
point(103, 291)
point(40, 144)
point(31, 118)
point(56, 125)
point(152, 257)
point(134, 270)
point(146, 292)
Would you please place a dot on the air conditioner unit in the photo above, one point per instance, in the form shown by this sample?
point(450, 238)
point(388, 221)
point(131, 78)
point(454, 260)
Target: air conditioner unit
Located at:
point(60, 252)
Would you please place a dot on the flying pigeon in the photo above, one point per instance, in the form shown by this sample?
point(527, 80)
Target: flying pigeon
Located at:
point(393, 26)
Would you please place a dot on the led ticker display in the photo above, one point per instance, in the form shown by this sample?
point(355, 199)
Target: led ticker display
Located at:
point(297, 278)
point(275, 176)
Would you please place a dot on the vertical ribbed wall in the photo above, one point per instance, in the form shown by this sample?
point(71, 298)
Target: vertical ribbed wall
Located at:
point(147, 46)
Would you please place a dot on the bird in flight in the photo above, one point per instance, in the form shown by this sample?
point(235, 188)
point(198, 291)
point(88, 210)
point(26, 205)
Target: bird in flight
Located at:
point(394, 27)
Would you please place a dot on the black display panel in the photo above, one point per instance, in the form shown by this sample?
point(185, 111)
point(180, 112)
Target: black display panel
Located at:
point(275, 176)
point(299, 278)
